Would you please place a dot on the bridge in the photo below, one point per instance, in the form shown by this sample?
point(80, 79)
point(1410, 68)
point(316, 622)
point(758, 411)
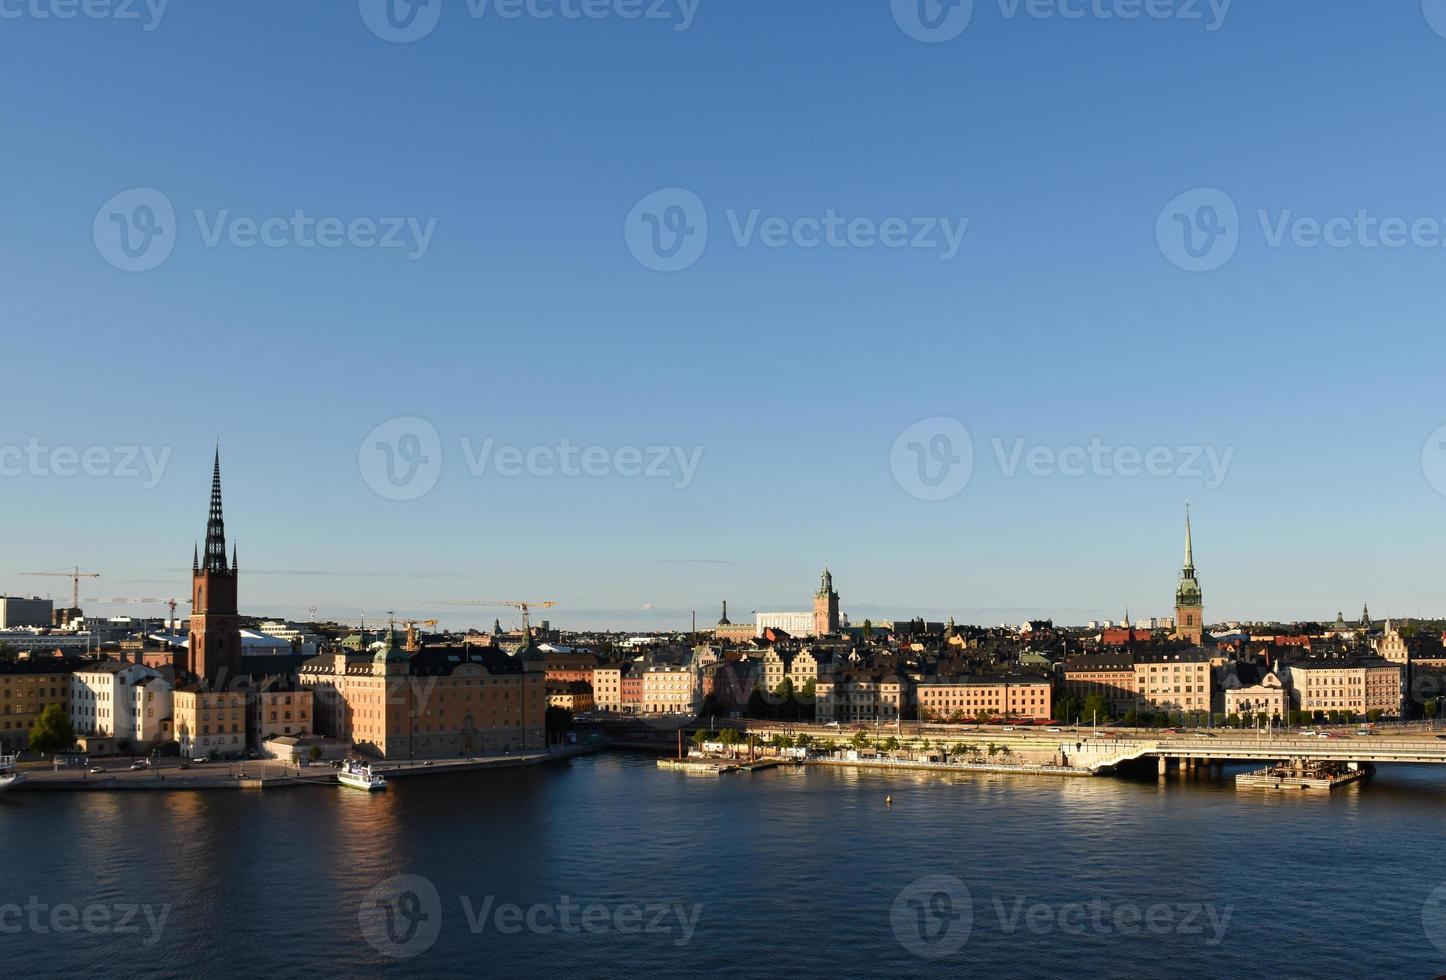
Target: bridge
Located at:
point(1095, 750)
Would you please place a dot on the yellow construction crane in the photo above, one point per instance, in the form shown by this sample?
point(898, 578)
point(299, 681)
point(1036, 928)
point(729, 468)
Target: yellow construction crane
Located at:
point(75, 575)
point(525, 606)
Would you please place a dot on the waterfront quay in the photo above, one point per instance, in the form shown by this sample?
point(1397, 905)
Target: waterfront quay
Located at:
point(261, 773)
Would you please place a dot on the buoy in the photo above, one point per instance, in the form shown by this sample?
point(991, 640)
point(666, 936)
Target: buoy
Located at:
point(888, 801)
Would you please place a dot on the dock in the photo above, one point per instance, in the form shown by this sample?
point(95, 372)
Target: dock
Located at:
point(1325, 776)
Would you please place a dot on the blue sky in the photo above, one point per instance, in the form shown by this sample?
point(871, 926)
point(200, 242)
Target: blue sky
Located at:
point(524, 145)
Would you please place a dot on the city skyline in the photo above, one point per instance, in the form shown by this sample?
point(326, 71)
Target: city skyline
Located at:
point(644, 620)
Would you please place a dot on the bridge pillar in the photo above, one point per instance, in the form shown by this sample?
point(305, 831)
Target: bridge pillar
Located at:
point(1164, 765)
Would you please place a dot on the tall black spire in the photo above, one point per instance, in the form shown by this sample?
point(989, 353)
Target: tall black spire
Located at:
point(215, 526)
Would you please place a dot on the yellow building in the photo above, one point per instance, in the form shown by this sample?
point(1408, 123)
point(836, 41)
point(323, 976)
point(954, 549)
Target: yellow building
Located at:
point(441, 702)
point(209, 723)
point(1013, 698)
point(28, 687)
point(279, 708)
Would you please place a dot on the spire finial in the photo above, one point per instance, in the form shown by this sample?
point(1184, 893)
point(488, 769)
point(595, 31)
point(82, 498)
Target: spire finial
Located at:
point(215, 526)
point(1189, 548)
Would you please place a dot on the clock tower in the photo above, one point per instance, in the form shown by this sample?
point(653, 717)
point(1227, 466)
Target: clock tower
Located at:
point(1189, 600)
point(214, 654)
point(825, 606)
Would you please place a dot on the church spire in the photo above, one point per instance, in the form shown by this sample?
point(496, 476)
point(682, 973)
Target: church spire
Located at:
point(1189, 548)
point(215, 526)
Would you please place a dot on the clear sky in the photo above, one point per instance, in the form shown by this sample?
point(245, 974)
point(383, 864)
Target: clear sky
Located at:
point(522, 304)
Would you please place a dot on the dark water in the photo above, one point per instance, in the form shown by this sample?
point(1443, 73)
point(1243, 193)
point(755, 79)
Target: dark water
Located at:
point(800, 874)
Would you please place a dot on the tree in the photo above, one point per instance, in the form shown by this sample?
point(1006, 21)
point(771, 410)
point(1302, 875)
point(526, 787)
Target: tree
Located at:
point(1066, 710)
point(891, 744)
point(1233, 720)
point(1431, 708)
point(699, 737)
point(729, 736)
point(860, 740)
point(804, 740)
point(315, 753)
point(1132, 718)
point(1374, 715)
point(557, 720)
point(868, 630)
point(1095, 706)
point(52, 731)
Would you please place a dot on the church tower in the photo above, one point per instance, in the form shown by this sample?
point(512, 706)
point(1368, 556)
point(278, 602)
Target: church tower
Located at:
point(825, 606)
point(1189, 601)
point(215, 647)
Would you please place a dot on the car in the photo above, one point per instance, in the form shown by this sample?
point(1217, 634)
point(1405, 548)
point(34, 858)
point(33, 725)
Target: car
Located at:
point(96, 770)
point(200, 762)
point(1055, 729)
point(1169, 731)
point(1204, 735)
point(139, 764)
point(1441, 738)
point(185, 765)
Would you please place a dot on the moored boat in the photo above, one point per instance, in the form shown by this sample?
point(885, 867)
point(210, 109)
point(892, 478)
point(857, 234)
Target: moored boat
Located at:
point(359, 775)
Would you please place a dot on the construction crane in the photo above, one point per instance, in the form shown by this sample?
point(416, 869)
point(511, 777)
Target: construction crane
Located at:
point(75, 575)
point(525, 606)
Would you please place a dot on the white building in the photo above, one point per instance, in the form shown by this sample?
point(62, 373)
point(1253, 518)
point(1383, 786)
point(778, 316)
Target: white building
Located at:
point(103, 699)
point(792, 623)
point(669, 690)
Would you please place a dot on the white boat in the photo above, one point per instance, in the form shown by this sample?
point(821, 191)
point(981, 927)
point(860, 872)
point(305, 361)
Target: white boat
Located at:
point(359, 775)
point(9, 778)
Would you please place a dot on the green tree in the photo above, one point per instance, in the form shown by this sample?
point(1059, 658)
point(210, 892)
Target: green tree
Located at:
point(891, 744)
point(314, 754)
point(729, 736)
point(1132, 718)
point(1233, 720)
point(859, 741)
point(699, 737)
point(1432, 708)
point(783, 741)
point(52, 731)
point(1066, 709)
point(804, 740)
point(1374, 715)
point(1095, 706)
point(868, 630)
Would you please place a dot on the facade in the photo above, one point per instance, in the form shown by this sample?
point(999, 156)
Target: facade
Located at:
point(792, 623)
point(1111, 676)
point(607, 687)
point(1016, 698)
point(1371, 684)
point(825, 607)
point(860, 696)
point(670, 690)
point(574, 696)
point(630, 690)
point(1392, 645)
point(568, 667)
point(1173, 681)
point(1270, 698)
point(442, 702)
point(103, 699)
point(735, 632)
point(26, 689)
point(17, 613)
point(278, 709)
point(1189, 600)
point(209, 724)
point(214, 650)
